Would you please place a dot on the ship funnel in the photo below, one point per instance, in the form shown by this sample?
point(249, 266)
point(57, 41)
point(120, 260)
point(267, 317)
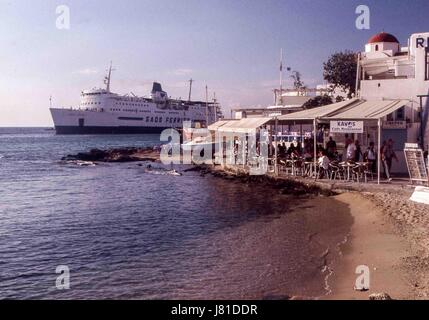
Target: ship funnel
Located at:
point(157, 94)
point(156, 87)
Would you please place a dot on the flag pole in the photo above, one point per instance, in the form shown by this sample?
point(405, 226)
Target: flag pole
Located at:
point(281, 75)
point(207, 107)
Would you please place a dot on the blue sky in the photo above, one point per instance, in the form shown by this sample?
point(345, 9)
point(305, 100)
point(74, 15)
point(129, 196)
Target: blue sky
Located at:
point(230, 45)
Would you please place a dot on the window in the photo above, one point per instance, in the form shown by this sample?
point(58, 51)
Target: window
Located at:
point(400, 114)
point(376, 47)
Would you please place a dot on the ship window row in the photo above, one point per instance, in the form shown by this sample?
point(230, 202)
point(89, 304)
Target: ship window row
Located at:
point(132, 104)
point(88, 103)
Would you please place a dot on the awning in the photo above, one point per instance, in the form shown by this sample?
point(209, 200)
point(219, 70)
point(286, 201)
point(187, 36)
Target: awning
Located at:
point(244, 125)
point(367, 110)
point(217, 124)
point(354, 109)
point(318, 112)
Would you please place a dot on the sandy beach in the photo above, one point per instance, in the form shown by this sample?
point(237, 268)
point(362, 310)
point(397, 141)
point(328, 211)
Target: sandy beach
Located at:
point(374, 241)
point(388, 233)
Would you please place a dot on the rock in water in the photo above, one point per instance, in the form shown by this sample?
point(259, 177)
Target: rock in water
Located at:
point(379, 296)
point(126, 154)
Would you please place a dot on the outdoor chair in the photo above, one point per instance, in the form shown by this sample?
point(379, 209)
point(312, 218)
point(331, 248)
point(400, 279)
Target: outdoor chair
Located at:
point(285, 166)
point(322, 171)
point(357, 172)
point(367, 172)
point(299, 167)
point(336, 172)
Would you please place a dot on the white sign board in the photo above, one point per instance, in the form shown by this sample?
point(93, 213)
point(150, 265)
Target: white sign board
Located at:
point(346, 126)
point(416, 164)
point(394, 124)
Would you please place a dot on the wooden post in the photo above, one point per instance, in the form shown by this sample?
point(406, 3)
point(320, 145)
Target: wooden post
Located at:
point(379, 151)
point(315, 140)
point(276, 172)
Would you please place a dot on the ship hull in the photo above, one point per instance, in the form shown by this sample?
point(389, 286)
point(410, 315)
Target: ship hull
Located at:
point(107, 130)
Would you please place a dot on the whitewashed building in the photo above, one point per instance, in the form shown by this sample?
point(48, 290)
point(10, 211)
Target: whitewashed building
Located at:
point(386, 70)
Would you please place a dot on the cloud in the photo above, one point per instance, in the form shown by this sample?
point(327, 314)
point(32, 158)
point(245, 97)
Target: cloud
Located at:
point(182, 72)
point(86, 71)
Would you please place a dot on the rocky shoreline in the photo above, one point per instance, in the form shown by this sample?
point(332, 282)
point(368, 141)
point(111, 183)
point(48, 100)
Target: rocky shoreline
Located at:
point(128, 154)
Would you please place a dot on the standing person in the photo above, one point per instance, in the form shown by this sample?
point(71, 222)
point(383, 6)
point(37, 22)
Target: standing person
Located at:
point(358, 151)
point(291, 149)
point(371, 157)
point(331, 147)
point(388, 155)
point(351, 151)
point(347, 141)
point(298, 148)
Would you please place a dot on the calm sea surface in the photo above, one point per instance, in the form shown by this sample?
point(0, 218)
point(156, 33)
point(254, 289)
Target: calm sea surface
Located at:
point(128, 234)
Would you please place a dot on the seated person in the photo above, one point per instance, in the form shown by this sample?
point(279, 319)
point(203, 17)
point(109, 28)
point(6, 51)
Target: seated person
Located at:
point(290, 150)
point(323, 163)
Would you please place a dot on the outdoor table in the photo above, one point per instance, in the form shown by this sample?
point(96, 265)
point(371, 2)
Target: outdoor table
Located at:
point(366, 168)
point(348, 165)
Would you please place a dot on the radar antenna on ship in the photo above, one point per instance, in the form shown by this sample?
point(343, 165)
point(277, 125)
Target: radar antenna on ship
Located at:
point(107, 78)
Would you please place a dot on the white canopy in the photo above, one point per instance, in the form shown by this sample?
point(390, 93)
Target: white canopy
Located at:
point(368, 110)
point(244, 125)
point(319, 112)
point(217, 124)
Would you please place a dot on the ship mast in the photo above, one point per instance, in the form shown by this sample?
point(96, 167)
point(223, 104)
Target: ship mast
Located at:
point(190, 88)
point(107, 78)
point(215, 106)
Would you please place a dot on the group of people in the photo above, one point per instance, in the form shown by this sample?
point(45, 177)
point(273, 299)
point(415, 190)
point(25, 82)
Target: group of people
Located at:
point(353, 153)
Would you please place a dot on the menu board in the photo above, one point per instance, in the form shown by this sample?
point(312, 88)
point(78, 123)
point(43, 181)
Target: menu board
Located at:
point(416, 164)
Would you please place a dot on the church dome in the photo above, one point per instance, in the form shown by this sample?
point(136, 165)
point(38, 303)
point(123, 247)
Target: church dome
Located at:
point(383, 37)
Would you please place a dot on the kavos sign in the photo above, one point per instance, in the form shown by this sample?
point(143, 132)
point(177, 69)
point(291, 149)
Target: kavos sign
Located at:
point(346, 126)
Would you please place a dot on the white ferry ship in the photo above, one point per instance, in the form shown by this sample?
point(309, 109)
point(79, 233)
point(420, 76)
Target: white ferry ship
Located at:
point(104, 112)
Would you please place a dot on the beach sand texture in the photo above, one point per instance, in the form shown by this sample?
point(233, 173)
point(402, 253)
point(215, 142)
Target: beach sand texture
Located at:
point(374, 242)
